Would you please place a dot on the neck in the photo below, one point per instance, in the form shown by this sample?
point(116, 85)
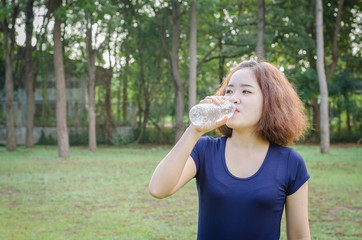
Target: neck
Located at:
point(247, 140)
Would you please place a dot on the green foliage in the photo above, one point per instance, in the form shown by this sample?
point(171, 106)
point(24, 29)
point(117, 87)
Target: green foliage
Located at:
point(305, 82)
point(346, 137)
point(121, 139)
point(345, 83)
point(78, 139)
point(165, 135)
point(2, 71)
point(46, 140)
point(75, 139)
point(226, 34)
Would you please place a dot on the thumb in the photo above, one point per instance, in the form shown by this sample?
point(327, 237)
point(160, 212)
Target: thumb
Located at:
point(222, 121)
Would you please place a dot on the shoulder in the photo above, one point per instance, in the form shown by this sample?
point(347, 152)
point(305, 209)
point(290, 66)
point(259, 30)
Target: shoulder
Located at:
point(208, 141)
point(287, 156)
point(206, 148)
point(207, 144)
point(286, 153)
point(296, 170)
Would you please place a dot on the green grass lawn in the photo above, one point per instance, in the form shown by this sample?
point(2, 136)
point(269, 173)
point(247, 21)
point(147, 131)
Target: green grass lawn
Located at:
point(104, 195)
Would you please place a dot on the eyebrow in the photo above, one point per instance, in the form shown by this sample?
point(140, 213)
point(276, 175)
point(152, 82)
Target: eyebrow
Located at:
point(241, 85)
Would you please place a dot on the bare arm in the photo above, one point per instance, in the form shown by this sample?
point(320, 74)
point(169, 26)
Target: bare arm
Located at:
point(178, 167)
point(296, 208)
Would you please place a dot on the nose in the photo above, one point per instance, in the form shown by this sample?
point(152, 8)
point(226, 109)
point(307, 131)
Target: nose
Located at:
point(234, 99)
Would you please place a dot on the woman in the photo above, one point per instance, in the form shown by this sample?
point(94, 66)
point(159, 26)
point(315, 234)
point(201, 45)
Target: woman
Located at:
point(246, 177)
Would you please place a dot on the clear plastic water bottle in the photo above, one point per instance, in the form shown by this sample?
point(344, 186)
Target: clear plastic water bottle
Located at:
point(205, 113)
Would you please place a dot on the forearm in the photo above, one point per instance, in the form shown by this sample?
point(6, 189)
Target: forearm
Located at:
point(297, 214)
point(169, 171)
point(301, 238)
point(300, 232)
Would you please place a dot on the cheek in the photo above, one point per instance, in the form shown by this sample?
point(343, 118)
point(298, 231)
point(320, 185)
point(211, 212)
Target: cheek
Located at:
point(258, 107)
point(259, 113)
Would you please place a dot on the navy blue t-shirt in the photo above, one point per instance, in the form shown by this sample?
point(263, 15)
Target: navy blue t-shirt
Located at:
point(244, 208)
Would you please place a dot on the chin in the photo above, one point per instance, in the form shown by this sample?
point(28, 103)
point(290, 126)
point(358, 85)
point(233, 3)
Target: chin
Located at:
point(230, 124)
point(239, 125)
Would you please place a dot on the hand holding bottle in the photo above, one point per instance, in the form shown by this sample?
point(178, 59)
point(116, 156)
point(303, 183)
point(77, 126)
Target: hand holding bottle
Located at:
point(212, 112)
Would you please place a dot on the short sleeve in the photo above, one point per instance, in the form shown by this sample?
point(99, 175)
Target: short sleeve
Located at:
point(297, 172)
point(198, 152)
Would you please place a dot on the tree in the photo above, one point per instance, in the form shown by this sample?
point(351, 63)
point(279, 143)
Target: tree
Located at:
point(30, 73)
point(143, 42)
point(9, 33)
point(125, 86)
point(323, 88)
point(93, 18)
point(125, 71)
point(104, 78)
point(61, 109)
point(193, 54)
point(42, 63)
point(335, 55)
point(261, 30)
point(173, 60)
point(151, 75)
point(91, 84)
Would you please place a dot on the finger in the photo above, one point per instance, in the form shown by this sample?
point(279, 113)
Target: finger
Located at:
point(222, 121)
point(218, 100)
point(214, 99)
point(207, 99)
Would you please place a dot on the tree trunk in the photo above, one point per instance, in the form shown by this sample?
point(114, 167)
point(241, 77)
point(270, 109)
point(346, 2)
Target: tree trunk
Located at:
point(119, 100)
point(19, 121)
point(339, 129)
point(142, 91)
point(316, 120)
point(9, 86)
point(9, 83)
point(61, 109)
point(324, 122)
point(139, 103)
point(91, 86)
point(45, 105)
point(173, 61)
point(193, 59)
point(108, 105)
point(261, 30)
point(348, 114)
point(125, 91)
point(76, 115)
point(29, 75)
point(335, 54)
point(146, 113)
point(147, 102)
point(179, 88)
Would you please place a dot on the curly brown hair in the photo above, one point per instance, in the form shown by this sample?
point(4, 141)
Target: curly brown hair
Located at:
point(283, 119)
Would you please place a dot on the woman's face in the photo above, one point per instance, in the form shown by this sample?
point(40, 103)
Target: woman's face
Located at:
point(244, 91)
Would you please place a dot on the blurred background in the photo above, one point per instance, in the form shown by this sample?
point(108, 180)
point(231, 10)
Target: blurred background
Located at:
point(125, 73)
point(138, 66)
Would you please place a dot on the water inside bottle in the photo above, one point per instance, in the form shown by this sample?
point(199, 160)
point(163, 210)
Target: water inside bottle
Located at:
point(227, 109)
point(203, 114)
